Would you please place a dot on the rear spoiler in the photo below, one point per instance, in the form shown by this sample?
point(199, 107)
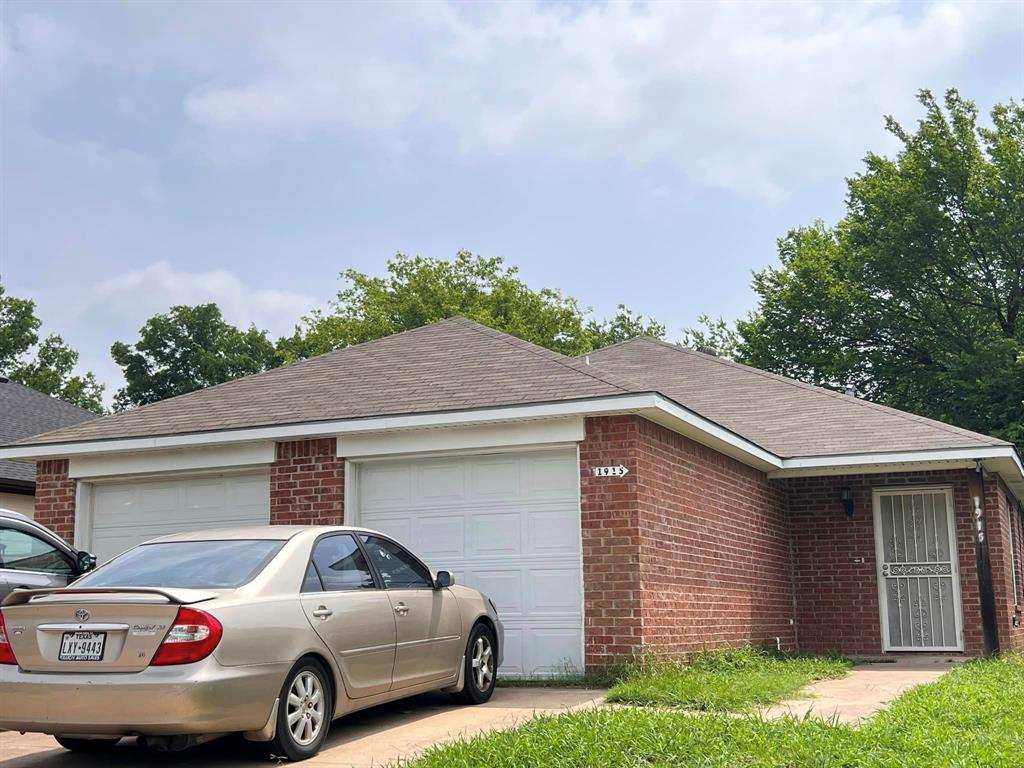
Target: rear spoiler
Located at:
point(172, 595)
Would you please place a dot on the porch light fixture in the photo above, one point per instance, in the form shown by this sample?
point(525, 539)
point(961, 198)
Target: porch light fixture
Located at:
point(846, 496)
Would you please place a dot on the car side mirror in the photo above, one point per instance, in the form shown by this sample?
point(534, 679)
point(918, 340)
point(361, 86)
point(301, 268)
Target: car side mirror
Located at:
point(443, 579)
point(86, 562)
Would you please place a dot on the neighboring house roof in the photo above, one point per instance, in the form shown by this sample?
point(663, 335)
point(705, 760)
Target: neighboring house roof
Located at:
point(782, 415)
point(25, 412)
point(459, 365)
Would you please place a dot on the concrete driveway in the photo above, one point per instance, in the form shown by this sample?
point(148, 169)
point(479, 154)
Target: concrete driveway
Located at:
point(372, 737)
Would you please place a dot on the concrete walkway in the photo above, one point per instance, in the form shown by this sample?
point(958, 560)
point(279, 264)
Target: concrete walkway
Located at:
point(865, 690)
point(373, 737)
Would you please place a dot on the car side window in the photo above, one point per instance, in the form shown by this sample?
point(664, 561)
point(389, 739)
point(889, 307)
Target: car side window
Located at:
point(340, 564)
point(397, 567)
point(22, 551)
point(312, 583)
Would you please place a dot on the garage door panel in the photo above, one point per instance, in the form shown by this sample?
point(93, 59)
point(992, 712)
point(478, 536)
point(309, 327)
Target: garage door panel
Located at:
point(441, 537)
point(552, 477)
point(554, 591)
point(126, 514)
point(385, 487)
point(551, 651)
point(553, 533)
point(497, 533)
point(505, 588)
point(441, 482)
point(512, 663)
point(495, 479)
point(518, 540)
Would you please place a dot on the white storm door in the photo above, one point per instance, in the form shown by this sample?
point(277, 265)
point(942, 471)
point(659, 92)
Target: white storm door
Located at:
point(507, 524)
point(125, 514)
point(919, 580)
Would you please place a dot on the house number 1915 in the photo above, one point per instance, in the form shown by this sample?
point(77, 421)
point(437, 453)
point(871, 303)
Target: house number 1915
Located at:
point(619, 471)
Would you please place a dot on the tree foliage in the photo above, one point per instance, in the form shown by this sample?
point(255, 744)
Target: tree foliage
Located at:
point(46, 366)
point(186, 349)
point(916, 296)
point(417, 291)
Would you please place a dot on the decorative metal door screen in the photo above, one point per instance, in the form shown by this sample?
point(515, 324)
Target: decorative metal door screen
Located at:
point(919, 581)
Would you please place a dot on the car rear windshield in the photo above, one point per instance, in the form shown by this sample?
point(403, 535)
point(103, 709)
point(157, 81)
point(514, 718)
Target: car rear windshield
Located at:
point(186, 564)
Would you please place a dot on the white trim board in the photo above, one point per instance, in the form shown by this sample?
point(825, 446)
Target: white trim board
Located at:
point(479, 437)
point(178, 460)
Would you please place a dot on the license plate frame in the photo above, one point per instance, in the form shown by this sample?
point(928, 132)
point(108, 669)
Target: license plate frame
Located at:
point(71, 641)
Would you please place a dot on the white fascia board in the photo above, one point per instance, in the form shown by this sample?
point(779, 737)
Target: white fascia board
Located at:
point(997, 459)
point(596, 406)
point(789, 466)
point(564, 429)
point(171, 460)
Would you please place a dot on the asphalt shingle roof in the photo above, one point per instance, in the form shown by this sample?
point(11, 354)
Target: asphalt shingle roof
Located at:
point(787, 417)
point(452, 365)
point(25, 412)
point(458, 364)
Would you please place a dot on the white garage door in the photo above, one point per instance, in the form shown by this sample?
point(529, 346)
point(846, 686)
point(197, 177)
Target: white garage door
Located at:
point(507, 524)
point(126, 514)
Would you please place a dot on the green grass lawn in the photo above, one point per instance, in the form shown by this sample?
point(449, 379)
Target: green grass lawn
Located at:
point(724, 681)
point(971, 718)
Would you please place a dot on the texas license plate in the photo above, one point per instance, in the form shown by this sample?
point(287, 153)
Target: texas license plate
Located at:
point(82, 646)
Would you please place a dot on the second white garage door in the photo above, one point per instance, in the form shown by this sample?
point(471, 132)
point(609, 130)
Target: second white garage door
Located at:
point(126, 514)
point(507, 524)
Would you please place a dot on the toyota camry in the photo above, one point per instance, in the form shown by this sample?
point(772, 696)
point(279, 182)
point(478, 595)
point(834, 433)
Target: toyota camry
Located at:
point(270, 632)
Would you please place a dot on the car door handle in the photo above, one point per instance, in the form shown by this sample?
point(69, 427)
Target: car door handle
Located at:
point(322, 612)
point(401, 609)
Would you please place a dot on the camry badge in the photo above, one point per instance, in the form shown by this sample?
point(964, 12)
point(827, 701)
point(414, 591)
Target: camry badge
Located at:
point(82, 615)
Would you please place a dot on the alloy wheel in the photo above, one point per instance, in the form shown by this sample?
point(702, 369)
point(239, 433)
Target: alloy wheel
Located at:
point(483, 663)
point(305, 708)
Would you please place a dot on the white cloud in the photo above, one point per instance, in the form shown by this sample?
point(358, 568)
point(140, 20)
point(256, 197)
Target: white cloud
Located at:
point(756, 97)
point(753, 97)
point(139, 294)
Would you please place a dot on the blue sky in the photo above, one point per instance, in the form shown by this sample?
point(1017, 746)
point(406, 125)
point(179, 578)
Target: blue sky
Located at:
point(245, 153)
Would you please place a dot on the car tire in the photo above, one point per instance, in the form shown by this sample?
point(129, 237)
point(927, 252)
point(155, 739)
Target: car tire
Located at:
point(86, 745)
point(480, 674)
point(305, 696)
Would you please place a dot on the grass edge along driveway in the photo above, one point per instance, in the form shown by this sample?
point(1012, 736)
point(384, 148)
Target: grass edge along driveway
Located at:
point(728, 680)
point(972, 717)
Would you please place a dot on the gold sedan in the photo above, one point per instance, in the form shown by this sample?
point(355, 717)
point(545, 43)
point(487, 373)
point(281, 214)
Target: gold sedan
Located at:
point(272, 632)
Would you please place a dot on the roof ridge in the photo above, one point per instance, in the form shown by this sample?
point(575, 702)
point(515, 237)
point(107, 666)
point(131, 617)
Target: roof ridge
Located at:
point(556, 357)
point(829, 392)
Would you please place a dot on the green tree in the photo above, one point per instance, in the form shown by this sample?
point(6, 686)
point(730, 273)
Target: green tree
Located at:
point(186, 349)
point(717, 335)
point(46, 366)
point(417, 291)
point(624, 326)
point(916, 297)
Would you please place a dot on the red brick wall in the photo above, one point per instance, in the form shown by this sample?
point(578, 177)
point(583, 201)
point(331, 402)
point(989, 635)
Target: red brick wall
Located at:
point(715, 559)
point(999, 513)
point(834, 560)
point(611, 541)
point(307, 483)
point(55, 498)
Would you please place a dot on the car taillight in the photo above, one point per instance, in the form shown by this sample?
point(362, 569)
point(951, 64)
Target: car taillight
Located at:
point(6, 652)
point(193, 637)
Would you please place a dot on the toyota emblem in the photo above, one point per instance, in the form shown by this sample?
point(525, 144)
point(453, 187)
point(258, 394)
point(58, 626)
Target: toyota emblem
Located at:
point(82, 615)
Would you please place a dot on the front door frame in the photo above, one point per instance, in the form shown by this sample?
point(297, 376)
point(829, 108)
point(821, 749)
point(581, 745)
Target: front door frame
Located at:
point(876, 494)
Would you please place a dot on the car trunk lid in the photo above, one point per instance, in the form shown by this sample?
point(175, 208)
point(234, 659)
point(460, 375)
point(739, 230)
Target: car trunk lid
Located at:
point(90, 630)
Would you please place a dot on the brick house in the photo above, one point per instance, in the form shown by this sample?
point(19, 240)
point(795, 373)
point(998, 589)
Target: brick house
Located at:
point(645, 496)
